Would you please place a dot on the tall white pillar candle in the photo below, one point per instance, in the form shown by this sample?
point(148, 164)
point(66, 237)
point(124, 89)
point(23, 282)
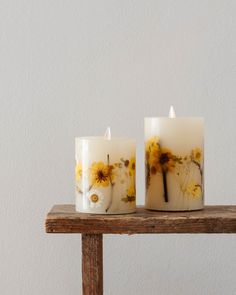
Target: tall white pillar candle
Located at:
point(105, 175)
point(174, 163)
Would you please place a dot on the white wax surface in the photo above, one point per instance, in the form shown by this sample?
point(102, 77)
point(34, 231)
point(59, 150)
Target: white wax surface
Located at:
point(178, 134)
point(90, 149)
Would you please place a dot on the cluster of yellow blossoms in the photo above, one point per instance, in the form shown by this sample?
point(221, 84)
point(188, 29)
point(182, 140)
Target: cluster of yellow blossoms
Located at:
point(194, 189)
point(159, 159)
point(103, 175)
point(162, 160)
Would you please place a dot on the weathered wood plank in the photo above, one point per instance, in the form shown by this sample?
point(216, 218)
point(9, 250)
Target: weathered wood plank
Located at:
point(92, 264)
point(213, 219)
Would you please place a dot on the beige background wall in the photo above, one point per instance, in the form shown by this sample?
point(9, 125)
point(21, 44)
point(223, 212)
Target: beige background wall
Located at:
point(70, 68)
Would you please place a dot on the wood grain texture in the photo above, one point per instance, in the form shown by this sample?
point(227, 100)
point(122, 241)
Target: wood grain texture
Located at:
point(92, 264)
point(213, 219)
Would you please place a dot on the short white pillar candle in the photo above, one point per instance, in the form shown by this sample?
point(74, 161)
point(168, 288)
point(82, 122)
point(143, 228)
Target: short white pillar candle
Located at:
point(105, 175)
point(174, 163)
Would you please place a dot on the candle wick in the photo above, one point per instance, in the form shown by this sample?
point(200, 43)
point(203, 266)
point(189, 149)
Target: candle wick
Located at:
point(172, 112)
point(107, 134)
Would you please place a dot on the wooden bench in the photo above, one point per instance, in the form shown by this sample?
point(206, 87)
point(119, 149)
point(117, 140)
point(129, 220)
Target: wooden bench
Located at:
point(64, 219)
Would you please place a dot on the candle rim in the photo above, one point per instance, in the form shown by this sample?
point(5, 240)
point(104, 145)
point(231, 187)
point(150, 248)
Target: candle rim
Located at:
point(176, 118)
point(102, 138)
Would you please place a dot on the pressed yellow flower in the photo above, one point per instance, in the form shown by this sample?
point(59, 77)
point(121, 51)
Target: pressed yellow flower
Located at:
point(78, 172)
point(130, 197)
point(196, 155)
point(152, 153)
point(131, 166)
point(152, 147)
point(194, 189)
point(101, 174)
point(131, 191)
point(166, 161)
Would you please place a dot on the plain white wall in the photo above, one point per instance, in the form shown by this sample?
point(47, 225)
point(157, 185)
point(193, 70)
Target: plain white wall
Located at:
point(70, 68)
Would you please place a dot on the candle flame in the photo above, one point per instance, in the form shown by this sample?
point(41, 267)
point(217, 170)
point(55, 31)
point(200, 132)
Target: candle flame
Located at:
point(107, 134)
point(172, 112)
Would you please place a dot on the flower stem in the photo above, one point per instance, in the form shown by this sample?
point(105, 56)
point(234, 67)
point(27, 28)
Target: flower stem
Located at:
point(165, 185)
point(82, 192)
point(112, 184)
point(148, 176)
point(79, 190)
point(199, 166)
point(200, 170)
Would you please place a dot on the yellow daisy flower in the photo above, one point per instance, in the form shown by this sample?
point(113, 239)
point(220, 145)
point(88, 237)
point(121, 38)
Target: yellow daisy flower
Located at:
point(166, 160)
point(101, 174)
point(196, 155)
point(194, 189)
point(78, 172)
